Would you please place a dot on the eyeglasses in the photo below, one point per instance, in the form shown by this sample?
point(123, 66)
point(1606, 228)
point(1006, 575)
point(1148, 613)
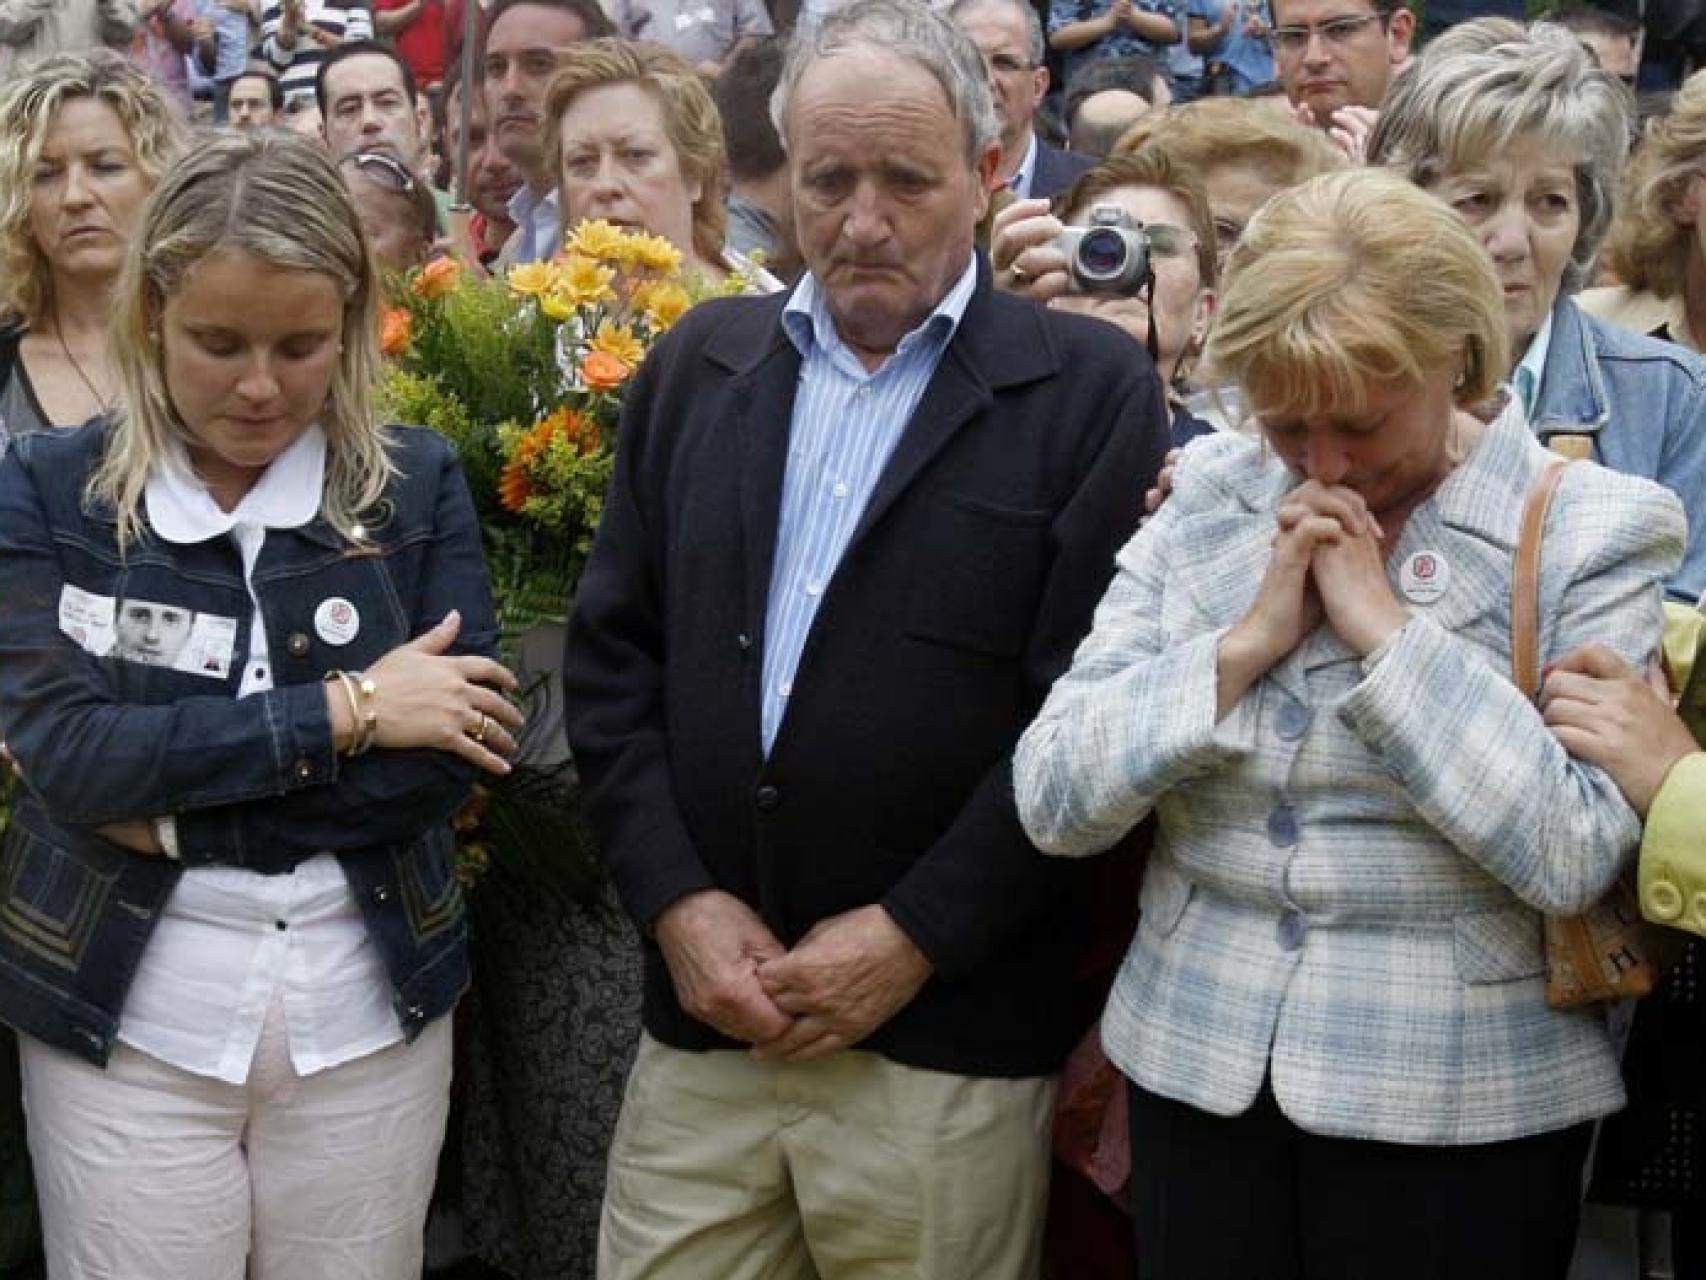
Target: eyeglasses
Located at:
point(389, 170)
point(1167, 240)
point(1335, 33)
point(1005, 64)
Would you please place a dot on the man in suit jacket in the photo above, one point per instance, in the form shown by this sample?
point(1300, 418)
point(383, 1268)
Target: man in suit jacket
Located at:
point(854, 534)
point(1009, 35)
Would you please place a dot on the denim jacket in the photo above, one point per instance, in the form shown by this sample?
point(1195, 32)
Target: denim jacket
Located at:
point(1644, 403)
point(254, 783)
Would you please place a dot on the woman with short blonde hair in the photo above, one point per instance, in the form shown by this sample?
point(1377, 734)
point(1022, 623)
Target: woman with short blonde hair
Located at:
point(1359, 292)
point(1336, 998)
point(679, 191)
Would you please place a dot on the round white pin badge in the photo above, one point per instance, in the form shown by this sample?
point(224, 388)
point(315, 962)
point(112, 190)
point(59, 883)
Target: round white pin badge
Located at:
point(336, 621)
point(1424, 578)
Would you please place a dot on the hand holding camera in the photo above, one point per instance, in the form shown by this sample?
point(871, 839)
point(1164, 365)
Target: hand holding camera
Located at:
point(1109, 256)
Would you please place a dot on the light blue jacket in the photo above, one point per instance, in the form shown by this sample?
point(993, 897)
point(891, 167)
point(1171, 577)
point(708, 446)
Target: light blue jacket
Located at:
point(1346, 891)
point(1644, 402)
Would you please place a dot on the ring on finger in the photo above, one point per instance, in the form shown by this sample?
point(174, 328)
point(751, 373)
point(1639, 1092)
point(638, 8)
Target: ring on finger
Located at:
point(478, 732)
point(1017, 272)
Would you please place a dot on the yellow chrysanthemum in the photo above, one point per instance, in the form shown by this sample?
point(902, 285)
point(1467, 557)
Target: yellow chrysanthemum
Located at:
point(532, 279)
point(662, 302)
point(599, 240)
point(557, 305)
point(584, 281)
point(618, 340)
point(654, 253)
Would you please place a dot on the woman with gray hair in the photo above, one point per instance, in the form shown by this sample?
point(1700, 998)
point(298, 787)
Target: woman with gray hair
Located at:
point(1525, 137)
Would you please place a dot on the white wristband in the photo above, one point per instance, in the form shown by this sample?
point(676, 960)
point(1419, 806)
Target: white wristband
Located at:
point(166, 832)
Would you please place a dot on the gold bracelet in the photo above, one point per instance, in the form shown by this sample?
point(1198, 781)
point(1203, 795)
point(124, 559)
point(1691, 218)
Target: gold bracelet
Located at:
point(349, 688)
point(369, 714)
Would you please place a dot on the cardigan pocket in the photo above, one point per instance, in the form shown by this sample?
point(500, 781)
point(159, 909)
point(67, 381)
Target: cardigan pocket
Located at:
point(978, 574)
point(1499, 946)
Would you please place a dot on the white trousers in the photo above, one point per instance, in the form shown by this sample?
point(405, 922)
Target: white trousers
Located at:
point(147, 1172)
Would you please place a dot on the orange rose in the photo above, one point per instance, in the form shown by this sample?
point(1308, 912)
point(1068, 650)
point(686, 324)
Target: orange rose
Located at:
point(437, 278)
point(395, 331)
point(602, 371)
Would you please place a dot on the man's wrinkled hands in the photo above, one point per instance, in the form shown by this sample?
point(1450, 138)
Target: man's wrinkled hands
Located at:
point(714, 945)
point(847, 977)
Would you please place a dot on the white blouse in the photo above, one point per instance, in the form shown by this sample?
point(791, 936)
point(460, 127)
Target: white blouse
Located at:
point(230, 941)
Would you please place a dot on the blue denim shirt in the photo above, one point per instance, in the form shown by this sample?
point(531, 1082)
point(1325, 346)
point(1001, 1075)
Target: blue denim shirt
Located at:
point(1644, 403)
point(254, 783)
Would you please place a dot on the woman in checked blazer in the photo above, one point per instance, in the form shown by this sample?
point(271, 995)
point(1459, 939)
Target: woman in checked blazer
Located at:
point(1333, 1016)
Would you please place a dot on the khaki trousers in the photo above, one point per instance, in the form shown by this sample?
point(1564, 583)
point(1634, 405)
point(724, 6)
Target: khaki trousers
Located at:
point(147, 1172)
point(850, 1168)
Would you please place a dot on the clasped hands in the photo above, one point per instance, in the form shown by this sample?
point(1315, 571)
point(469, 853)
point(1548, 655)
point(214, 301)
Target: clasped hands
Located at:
point(850, 974)
point(1329, 561)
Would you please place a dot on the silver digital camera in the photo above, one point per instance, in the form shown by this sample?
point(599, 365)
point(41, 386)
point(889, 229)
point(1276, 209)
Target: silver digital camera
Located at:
point(1111, 255)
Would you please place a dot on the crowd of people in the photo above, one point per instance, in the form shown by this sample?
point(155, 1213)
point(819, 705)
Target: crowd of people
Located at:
point(1114, 427)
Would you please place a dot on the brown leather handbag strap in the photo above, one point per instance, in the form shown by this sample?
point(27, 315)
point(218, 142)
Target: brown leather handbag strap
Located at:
point(1525, 580)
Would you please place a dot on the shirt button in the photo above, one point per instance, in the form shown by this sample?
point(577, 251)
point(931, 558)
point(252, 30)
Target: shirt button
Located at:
point(865, 392)
point(814, 588)
point(1293, 721)
point(1292, 930)
point(768, 799)
point(1282, 827)
point(297, 644)
point(1663, 901)
point(280, 925)
point(784, 688)
point(840, 490)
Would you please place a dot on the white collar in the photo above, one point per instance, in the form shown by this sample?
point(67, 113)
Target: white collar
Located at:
point(287, 495)
point(1023, 177)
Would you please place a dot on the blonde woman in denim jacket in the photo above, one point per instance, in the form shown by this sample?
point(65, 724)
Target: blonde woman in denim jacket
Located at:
point(246, 674)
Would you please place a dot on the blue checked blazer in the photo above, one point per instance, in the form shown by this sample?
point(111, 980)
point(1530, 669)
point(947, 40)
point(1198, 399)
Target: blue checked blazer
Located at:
point(1347, 886)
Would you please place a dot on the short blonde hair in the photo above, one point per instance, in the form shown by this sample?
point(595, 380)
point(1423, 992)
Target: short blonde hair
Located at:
point(690, 119)
point(1350, 280)
point(276, 197)
point(1490, 81)
point(29, 103)
point(1205, 135)
point(1649, 243)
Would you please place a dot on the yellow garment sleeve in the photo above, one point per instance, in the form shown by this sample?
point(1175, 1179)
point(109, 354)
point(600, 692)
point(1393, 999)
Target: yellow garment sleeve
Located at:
point(1672, 874)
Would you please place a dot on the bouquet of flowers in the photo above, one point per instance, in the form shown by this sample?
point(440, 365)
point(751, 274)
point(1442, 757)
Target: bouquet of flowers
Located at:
point(525, 376)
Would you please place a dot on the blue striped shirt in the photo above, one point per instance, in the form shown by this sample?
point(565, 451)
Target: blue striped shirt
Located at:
point(846, 423)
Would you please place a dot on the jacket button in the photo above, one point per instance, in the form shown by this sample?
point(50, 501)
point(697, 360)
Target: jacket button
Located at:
point(416, 1013)
point(304, 769)
point(1663, 901)
point(297, 644)
point(381, 893)
point(1282, 827)
point(1293, 721)
point(768, 799)
point(1293, 928)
